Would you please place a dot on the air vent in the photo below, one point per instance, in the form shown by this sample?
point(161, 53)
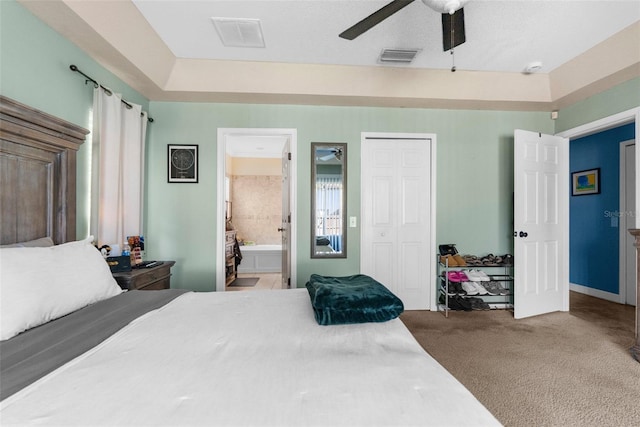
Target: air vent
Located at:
point(398, 56)
point(239, 32)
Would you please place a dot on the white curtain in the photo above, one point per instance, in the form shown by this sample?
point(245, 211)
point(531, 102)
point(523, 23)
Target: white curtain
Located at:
point(117, 168)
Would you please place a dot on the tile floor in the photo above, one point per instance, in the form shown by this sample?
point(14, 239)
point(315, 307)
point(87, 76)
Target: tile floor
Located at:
point(267, 281)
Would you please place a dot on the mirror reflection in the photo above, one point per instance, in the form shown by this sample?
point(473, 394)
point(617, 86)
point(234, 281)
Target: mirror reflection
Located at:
point(328, 200)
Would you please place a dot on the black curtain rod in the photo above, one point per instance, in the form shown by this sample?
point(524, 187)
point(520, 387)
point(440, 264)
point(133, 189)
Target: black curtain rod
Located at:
point(97, 85)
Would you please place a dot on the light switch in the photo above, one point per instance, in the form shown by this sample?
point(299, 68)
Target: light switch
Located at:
point(353, 222)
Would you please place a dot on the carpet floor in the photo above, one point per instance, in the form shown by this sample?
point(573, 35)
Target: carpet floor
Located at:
point(559, 369)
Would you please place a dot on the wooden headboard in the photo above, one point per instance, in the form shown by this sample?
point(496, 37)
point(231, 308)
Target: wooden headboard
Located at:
point(37, 174)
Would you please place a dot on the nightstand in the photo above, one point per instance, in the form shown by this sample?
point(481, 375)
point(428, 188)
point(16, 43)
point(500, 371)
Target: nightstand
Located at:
point(146, 279)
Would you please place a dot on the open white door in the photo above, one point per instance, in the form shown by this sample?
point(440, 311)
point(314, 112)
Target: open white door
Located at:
point(285, 228)
point(541, 224)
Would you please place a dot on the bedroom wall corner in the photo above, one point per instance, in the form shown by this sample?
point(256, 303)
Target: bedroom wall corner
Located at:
point(622, 97)
point(34, 70)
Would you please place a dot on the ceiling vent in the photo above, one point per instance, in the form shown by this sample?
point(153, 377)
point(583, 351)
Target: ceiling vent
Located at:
point(397, 56)
point(239, 32)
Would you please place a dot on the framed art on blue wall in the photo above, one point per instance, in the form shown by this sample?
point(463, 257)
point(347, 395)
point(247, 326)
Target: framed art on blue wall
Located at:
point(182, 163)
point(585, 182)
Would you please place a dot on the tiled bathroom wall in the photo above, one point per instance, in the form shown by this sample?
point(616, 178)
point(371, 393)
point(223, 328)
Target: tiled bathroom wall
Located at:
point(257, 208)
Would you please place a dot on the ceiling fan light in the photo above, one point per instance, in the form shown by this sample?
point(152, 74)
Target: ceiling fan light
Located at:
point(445, 6)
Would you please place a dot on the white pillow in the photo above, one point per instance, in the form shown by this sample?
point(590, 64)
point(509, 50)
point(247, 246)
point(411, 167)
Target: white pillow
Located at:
point(39, 284)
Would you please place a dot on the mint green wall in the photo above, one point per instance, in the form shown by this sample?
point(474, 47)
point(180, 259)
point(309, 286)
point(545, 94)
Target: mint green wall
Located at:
point(623, 97)
point(34, 70)
point(474, 179)
point(474, 151)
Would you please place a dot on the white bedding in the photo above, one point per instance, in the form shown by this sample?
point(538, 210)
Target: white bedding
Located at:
point(249, 358)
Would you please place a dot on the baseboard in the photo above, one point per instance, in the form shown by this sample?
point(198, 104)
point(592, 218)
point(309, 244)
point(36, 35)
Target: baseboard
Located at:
point(595, 292)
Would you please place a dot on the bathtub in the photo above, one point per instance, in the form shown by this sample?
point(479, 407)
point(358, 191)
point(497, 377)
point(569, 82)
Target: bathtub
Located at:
point(261, 259)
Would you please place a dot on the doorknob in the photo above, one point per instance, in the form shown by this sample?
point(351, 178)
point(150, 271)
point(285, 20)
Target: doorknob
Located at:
point(523, 234)
point(280, 229)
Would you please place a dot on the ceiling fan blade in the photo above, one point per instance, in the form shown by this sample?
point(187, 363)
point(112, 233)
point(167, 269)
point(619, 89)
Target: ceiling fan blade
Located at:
point(453, 29)
point(374, 19)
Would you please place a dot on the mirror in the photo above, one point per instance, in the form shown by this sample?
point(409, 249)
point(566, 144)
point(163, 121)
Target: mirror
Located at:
point(328, 200)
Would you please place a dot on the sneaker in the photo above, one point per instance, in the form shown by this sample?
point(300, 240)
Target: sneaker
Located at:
point(463, 303)
point(478, 304)
point(476, 275)
point(455, 289)
point(481, 289)
point(493, 288)
point(482, 276)
point(451, 290)
point(469, 288)
point(471, 275)
point(459, 290)
point(501, 289)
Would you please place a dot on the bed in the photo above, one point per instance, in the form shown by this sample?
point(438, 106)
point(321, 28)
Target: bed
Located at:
point(95, 355)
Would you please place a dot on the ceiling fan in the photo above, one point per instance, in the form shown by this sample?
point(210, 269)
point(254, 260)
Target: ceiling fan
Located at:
point(452, 20)
point(326, 154)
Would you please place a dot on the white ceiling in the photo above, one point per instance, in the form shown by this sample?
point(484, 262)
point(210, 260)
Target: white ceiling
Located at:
point(169, 50)
point(501, 35)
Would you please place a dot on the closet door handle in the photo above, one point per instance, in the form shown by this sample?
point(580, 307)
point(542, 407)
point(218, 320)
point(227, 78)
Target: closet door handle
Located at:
point(523, 234)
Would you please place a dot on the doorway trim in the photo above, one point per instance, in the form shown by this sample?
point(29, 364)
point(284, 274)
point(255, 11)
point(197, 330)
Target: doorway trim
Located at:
point(622, 218)
point(600, 125)
point(223, 133)
point(619, 119)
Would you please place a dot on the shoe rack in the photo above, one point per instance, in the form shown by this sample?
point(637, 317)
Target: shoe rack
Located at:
point(447, 297)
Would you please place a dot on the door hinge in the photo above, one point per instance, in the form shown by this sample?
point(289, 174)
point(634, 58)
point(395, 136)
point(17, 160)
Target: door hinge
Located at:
point(289, 218)
point(289, 282)
point(289, 156)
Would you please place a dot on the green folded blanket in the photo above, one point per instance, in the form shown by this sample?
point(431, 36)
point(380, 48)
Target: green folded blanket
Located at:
point(351, 299)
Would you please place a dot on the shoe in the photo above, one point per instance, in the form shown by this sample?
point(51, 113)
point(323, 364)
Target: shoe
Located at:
point(459, 260)
point(501, 289)
point(478, 304)
point(448, 260)
point(481, 289)
point(451, 290)
point(452, 303)
point(457, 276)
point(493, 288)
point(471, 260)
point(471, 275)
point(469, 288)
point(463, 303)
point(489, 260)
point(458, 288)
point(476, 275)
point(482, 276)
point(507, 259)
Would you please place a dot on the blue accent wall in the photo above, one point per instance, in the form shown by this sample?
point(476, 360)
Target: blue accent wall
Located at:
point(594, 233)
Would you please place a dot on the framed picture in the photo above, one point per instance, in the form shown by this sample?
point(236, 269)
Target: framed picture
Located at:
point(585, 182)
point(182, 163)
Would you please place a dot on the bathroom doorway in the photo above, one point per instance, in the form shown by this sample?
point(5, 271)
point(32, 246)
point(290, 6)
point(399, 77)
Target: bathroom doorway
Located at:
point(251, 190)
